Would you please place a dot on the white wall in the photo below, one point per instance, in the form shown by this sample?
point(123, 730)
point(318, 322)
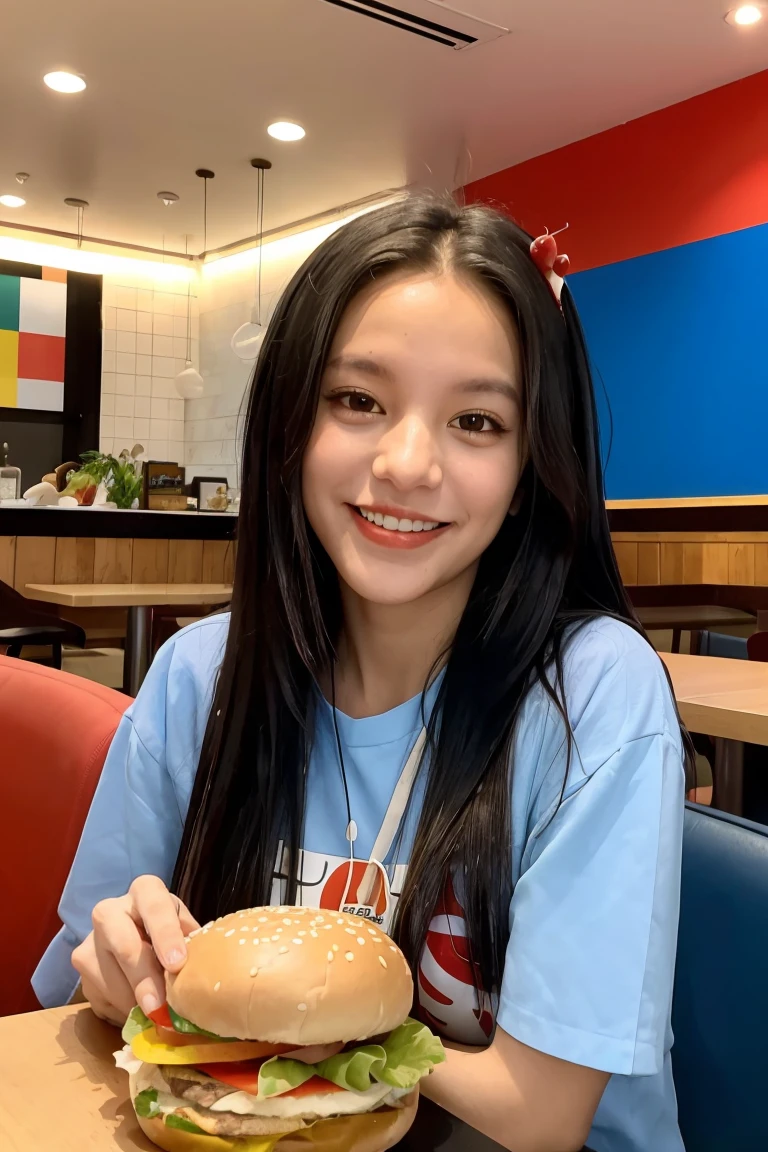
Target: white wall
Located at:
point(144, 329)
point(213, 423)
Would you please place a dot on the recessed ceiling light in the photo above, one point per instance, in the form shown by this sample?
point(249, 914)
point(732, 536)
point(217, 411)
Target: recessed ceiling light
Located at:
point(64, 81)
point(12, 201)
point(745, 16)
point(286, 130)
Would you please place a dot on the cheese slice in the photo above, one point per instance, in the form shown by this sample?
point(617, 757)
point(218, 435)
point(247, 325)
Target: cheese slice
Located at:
point(147, 1047)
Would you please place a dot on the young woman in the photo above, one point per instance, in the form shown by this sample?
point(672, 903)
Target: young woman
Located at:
point(422, 544)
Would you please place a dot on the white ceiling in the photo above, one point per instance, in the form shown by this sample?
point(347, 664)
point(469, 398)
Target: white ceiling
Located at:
point(178, 84)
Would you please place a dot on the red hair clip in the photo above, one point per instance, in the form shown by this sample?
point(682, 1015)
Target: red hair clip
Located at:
point(552, 267)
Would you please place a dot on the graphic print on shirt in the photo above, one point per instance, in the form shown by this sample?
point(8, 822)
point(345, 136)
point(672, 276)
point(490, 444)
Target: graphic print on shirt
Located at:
point(448, 998)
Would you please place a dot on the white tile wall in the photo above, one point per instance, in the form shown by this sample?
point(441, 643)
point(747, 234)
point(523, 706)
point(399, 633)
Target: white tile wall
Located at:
point(144, 345)
point(213, 424)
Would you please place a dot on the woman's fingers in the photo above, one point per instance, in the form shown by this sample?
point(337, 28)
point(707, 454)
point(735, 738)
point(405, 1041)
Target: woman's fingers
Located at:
point(136, 938)
point(119, 940)
point(114, 985)
point(161, 914)
point(103, 984)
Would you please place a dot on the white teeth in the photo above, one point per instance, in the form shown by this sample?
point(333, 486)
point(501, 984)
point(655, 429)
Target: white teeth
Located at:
point(392, 524)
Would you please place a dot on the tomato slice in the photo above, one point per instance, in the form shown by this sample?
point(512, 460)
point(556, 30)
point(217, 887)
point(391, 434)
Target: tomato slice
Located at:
point(244, 1076)
point(313, 1087)
point(162, 1017)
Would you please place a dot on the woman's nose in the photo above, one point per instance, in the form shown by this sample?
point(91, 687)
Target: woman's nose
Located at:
point(407, 456)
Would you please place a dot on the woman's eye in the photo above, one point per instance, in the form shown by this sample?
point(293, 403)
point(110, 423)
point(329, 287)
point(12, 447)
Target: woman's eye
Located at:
point(476, 422)
point(359, 402)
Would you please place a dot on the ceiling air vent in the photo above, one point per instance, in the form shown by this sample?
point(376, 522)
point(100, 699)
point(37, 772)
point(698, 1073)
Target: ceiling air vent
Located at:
point(429, 19)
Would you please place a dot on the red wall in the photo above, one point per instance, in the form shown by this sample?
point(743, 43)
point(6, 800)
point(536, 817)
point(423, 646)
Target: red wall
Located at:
point(694, 170)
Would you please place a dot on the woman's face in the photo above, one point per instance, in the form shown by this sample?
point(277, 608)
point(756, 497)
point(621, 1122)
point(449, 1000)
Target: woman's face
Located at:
point(417, 447)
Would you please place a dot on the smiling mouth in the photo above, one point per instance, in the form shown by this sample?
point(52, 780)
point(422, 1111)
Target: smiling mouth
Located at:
point(393, 524)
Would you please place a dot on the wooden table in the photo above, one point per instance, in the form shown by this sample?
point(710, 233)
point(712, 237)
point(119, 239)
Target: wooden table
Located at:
point(693, 618)
point(727, 699)
point(61, 1092)
point(138, 599)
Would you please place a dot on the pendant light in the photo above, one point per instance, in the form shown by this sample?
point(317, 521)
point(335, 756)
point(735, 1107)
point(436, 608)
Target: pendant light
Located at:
point(248, 339)
point(189, 382)
point(80, 205)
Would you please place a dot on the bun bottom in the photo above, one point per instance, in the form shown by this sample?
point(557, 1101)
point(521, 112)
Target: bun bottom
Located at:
point(370, 1132)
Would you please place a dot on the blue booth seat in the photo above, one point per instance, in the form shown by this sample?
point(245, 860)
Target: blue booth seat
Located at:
point(720, 1008)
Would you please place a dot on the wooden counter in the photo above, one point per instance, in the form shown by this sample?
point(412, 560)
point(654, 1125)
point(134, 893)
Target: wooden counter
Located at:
point(82, 546)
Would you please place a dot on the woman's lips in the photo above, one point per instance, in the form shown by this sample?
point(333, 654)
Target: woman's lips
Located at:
point(392, 538)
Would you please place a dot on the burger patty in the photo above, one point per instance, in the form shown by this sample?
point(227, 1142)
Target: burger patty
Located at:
point(189, 1084)
point(230, 1124)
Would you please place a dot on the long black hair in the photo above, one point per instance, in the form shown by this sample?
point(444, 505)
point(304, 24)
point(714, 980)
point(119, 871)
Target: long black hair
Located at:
point(551, 566)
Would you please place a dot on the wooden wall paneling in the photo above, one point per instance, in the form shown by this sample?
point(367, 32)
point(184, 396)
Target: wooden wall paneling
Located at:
point(113, 561)
point(35, 561)
point(648, 564)
point(185, 562)
point(74, 560)
point(715, 563)
point(626, 557)
point(671, 563)
point(761, 564)
point(741, 564)
point(7, 559)
point(230, 561)
point(693, 563)
point(150, 562)
point(215, 561)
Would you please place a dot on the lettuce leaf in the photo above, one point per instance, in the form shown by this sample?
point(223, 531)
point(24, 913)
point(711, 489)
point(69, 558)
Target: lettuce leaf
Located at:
point(146, 1103)
point(136, 1023)
point(173, 1120)
point(190, 1029)
point(408, 1053)
point(278, 1075)
point(412, 1051)
point(355, 1070)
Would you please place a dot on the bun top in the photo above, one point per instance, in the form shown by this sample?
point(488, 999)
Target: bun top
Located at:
point(292, 976)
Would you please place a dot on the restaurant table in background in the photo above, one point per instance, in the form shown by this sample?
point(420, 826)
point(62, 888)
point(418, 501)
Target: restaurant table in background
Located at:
point(61, 1091)
point(139, 599)
point(726, 699)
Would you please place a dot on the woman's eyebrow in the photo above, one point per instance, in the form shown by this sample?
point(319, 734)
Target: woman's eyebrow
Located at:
point(362, 364)
point(498, 387)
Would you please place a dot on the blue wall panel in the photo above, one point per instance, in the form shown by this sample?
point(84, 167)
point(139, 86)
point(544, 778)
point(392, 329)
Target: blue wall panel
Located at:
point(680, 340)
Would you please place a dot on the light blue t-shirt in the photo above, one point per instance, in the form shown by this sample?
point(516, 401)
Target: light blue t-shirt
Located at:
point(596, 867)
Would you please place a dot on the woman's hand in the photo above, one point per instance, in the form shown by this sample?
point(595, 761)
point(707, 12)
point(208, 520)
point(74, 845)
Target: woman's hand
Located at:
point(135, 940)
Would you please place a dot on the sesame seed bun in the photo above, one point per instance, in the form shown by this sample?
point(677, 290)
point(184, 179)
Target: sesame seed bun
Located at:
point(292, 976)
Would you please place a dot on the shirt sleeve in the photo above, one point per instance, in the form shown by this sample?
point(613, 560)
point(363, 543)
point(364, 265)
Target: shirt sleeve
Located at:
point(590, 963)
point(133, 828)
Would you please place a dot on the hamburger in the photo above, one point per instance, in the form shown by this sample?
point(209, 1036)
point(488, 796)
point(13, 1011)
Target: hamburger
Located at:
point(287, 1029)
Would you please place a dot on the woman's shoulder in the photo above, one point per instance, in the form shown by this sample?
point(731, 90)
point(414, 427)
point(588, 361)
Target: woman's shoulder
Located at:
point(200, 646)
point(615, 692)
point(608, 655)
point(171, 710)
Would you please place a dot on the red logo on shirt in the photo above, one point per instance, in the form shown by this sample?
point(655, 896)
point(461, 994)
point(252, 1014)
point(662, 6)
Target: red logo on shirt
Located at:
point(336, 886)
point(450, 995)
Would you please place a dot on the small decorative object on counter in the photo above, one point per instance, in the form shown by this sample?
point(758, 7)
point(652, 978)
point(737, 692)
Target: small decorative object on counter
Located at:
point(211, 493)
point(10, 477)
point(164, 489)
